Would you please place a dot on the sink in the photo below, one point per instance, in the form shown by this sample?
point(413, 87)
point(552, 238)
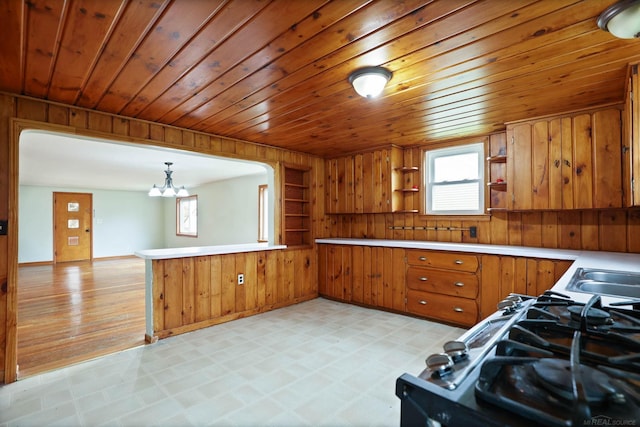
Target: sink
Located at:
point(605, 282)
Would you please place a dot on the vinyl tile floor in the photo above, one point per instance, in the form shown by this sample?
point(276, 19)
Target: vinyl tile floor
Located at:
point(317, 363)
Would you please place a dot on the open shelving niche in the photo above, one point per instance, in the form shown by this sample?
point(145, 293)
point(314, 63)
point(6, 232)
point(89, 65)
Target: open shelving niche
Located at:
point(296, 211)
point(406, 190)
point(497, 168)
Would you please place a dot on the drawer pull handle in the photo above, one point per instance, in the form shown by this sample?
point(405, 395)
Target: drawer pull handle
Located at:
point(423, 279)
point(459, 284)
point(423, 302)
point(458, 309)
point(423, 258)
point(459, 262)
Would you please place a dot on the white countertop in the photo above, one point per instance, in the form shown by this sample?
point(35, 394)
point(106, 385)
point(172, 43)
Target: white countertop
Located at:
point(583, 259)
point(205, 250)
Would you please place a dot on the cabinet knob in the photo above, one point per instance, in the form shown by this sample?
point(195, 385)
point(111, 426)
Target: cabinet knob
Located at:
point(459, 284)
point(423, 279)
point(423, 258)
point(459, 262)
point(423, 302)
point(458, 309)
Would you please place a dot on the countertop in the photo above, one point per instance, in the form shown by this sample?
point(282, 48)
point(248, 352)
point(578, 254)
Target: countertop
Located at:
point(582, 259)
point(205, 250)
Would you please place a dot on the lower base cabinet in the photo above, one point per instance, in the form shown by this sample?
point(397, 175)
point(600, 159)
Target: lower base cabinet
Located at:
point(456, 288)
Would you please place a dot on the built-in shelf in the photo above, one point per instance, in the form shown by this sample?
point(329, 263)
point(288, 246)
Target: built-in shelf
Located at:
point(497, 169)
point(407, 211)
point(408, 169)
point(296, 211)
point(407, 190)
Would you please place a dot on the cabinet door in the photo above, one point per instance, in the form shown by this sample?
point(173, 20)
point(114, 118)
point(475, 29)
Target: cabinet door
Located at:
point(334, 267)
point(566, 163)
point(607, 154)
point(632, 140)
point(519, 166)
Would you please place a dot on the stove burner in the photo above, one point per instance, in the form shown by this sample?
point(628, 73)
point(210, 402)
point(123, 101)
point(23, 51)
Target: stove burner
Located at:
point(457, 350)
point(441, 364)
point(595, 316)
point(555, 376)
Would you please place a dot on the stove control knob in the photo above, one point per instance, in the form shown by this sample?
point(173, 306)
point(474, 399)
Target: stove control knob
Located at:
point(440, 364)
point(508, 306)
point(457, 350)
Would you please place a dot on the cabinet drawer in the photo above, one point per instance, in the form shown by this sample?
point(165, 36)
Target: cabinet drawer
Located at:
point(457, 310)
point(453, 283)
point(451, 261)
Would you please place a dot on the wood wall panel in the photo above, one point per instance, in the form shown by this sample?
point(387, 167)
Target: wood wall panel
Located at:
point(197, 292)
point(598, 230)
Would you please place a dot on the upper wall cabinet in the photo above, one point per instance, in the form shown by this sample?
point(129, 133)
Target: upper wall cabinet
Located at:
point(568, 162)
point(631, 140)
point(369, 182)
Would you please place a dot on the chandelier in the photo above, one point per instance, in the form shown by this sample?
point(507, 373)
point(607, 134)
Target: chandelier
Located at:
point(168, 190)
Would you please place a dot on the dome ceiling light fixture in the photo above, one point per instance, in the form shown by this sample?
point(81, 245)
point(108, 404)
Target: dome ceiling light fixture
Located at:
point(622, 19)
point(369, 82)
point(168, 190)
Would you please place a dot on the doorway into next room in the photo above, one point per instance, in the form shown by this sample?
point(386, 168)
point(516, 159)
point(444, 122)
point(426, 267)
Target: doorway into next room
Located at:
point(76, 311)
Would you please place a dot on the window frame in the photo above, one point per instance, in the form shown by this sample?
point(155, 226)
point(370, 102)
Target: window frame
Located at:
point(179, 216)
point(474, 145)
point(263, 213)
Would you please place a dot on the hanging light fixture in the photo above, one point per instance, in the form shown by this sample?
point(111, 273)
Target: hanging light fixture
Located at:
point(622, 19)
point(369, 82)
point(168, 190)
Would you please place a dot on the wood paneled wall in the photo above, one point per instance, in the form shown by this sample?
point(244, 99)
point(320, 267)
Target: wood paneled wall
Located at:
point(616, 230)
point(192, 293)
point(36, 114)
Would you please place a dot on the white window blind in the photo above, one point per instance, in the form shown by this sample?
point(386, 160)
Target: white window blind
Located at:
point(454, 180)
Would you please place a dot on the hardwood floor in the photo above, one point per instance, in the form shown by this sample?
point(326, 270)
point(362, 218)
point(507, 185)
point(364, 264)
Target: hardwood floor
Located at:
point(76, 311)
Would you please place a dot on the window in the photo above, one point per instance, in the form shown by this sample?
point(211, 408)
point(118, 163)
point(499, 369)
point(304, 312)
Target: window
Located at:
point(454, 180)
point(263, 213)
point(187, 216)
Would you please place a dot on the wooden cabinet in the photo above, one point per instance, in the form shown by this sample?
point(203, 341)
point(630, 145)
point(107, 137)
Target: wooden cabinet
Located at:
point(631, 140)
point(569, 162)
point(458, 288)
point(502, 275)
point(443, 286)
point(372, 182)
point(296, 209)
point(372, 276)
point(497, 172)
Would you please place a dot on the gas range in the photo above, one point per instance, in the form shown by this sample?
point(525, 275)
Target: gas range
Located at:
point(536, 361)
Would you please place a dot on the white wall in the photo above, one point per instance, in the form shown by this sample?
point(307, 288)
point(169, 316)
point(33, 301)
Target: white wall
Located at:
point(124, 222)
point(227, 213)
point(128, 221)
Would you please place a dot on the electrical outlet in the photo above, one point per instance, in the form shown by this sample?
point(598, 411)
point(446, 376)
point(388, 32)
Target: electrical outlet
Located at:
point(240, 279)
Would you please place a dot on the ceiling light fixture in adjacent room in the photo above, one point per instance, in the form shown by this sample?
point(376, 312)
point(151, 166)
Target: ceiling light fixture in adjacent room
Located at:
point(168, 190)
point(622, 19)
point(369, 82)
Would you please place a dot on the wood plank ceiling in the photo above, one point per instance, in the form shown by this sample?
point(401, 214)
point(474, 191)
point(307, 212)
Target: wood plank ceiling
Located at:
point(275, 71)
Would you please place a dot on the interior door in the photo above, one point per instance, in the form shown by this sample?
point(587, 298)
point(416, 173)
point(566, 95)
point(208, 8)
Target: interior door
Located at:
point(72, 234)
